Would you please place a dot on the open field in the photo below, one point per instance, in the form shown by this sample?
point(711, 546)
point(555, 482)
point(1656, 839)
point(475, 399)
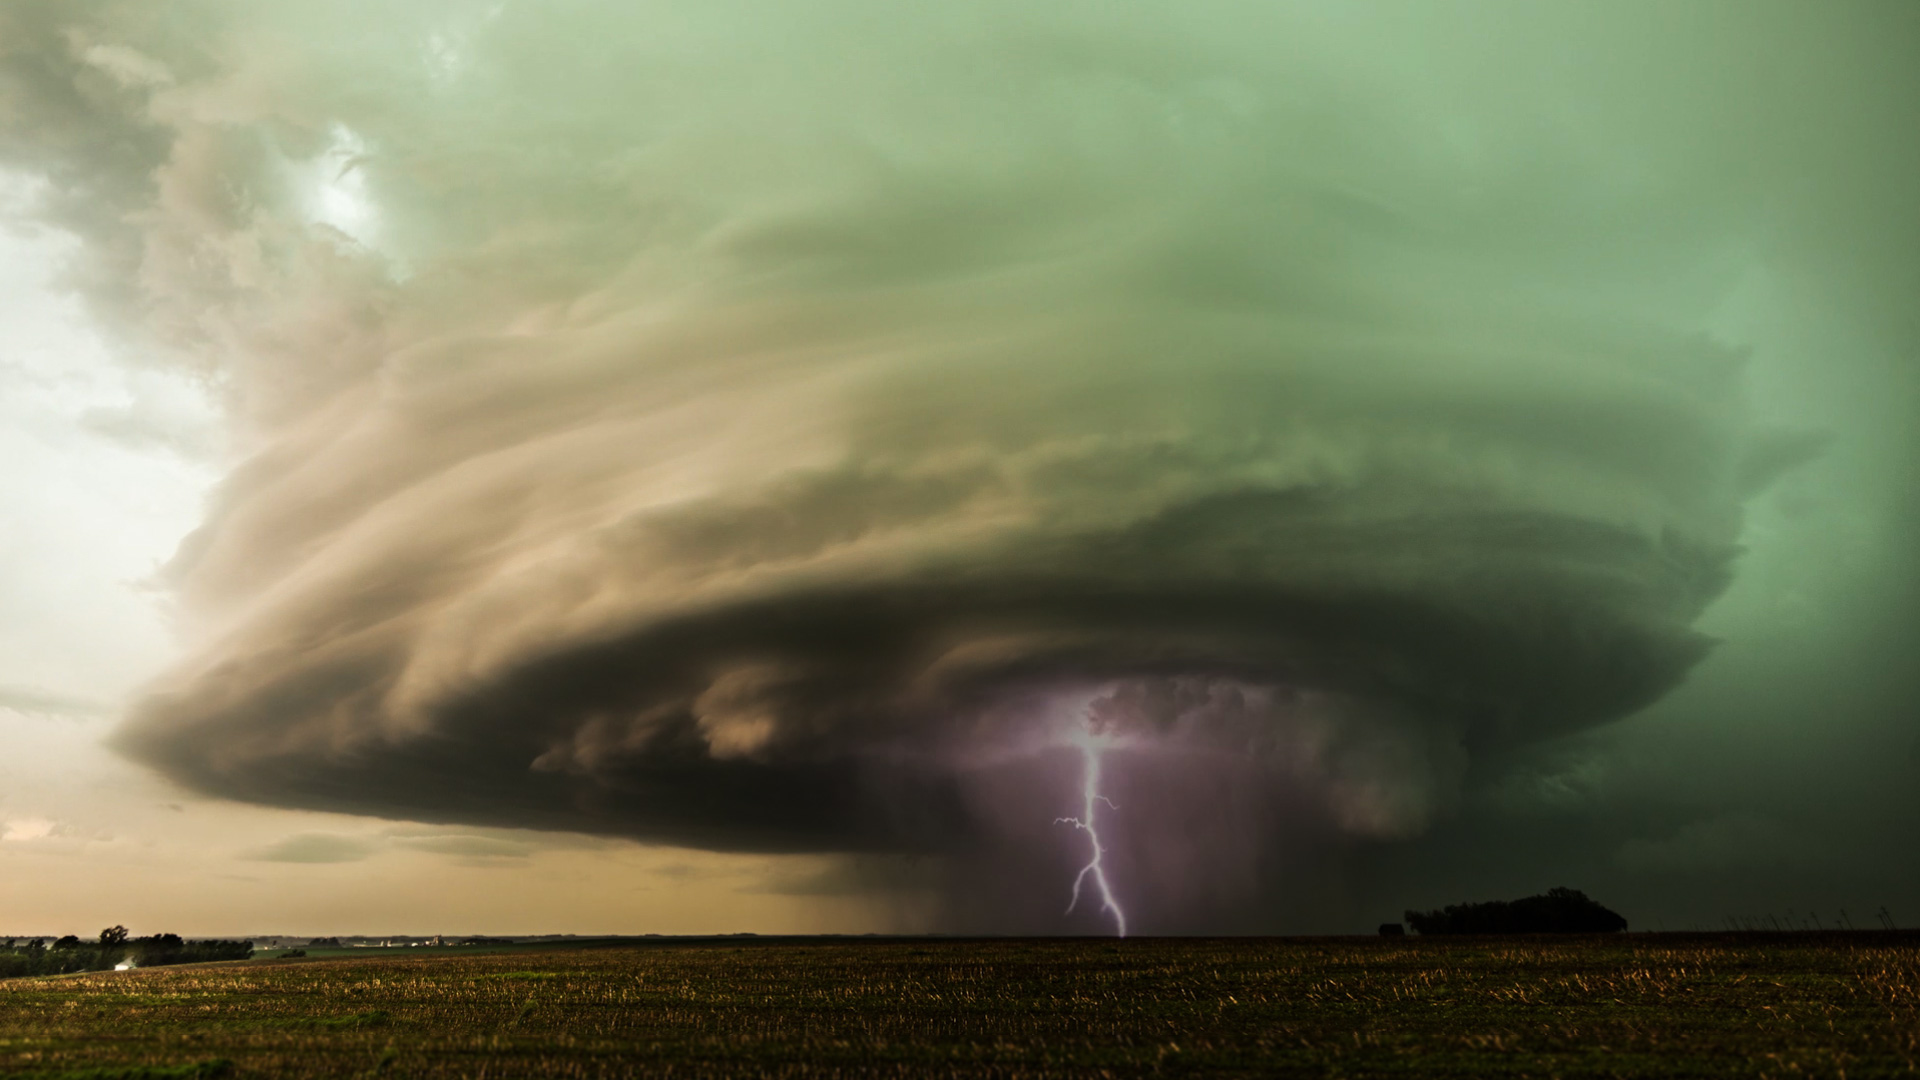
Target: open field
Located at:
point(1639, 1005)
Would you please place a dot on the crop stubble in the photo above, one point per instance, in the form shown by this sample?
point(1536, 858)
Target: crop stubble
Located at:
point(1637, 1005)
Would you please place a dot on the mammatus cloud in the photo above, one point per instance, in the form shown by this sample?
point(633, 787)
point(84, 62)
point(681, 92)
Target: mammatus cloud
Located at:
point(653, 427)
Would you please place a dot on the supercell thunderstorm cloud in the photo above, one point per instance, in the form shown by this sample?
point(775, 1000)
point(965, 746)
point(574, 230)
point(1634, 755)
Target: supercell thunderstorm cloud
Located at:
point(853, 428)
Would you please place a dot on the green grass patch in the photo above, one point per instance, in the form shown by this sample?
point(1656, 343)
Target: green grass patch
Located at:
point(349, 1022)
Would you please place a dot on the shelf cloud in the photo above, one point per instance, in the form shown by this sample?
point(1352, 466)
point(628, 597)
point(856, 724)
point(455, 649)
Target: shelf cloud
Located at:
point(759, 428)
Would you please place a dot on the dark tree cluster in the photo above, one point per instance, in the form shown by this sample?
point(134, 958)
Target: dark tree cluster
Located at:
point(1557, 911)
point(170, 949)
point(33, 956)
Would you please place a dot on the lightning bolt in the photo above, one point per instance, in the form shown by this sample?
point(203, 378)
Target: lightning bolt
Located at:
point(1090, 795)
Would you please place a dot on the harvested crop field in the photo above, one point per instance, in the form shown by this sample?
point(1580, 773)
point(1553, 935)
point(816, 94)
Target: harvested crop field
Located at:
point(1639, 1005)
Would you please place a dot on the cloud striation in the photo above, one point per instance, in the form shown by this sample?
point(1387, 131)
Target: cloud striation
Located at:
point(755, 428)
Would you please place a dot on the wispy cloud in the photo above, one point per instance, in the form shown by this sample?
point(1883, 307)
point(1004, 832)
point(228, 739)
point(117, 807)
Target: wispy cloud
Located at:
point(34, 700)
point(29, 829)
point(315, 848)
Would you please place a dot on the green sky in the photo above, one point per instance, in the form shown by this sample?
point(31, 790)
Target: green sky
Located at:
point(734, 453)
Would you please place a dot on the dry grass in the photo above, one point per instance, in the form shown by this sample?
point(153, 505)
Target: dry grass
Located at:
point(1643, 1005)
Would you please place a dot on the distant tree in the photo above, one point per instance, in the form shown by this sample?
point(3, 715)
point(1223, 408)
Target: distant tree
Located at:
point(31, 956)
point(156, 949)
point(1557, 911)
point(198, 952)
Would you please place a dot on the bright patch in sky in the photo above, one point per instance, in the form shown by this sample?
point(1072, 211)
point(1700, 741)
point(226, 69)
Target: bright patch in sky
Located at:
point(337, 187)
point(106, 468)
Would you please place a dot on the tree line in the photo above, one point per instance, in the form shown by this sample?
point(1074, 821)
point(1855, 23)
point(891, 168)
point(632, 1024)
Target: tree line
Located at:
point(1556, 911)
point(35, 956)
